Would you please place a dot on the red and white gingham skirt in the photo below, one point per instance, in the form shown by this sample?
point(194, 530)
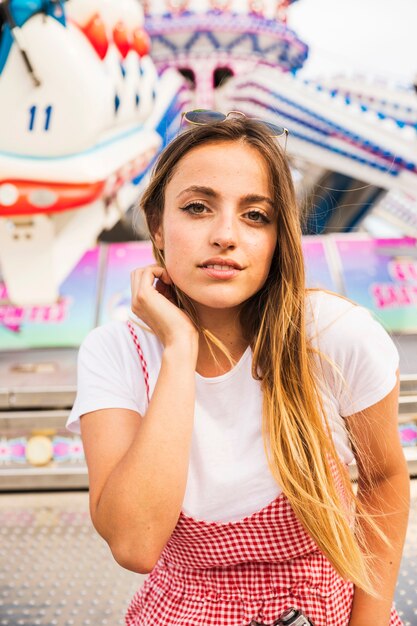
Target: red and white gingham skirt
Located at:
point(229, 573)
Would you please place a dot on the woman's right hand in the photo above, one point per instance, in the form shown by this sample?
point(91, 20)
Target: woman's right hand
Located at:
point(156, 307)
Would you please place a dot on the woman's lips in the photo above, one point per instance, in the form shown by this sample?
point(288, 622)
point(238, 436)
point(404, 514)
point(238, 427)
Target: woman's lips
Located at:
point(222, 272)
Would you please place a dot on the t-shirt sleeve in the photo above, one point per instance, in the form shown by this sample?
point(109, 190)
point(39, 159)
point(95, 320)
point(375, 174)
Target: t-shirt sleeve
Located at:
point(103, 380)
point(366, 357)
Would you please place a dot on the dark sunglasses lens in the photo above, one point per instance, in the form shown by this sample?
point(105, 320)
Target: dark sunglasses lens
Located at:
point(274, 129)
point(202, 116)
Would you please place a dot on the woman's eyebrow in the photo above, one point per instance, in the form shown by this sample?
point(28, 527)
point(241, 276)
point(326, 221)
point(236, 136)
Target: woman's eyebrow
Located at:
point(206, 191)
point(254, 198)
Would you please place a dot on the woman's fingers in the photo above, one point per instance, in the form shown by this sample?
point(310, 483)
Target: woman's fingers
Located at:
point(165, 290)
point(153, 300)
point(155, 271)
point(146, 283)
point(165, 277)
point(144, 277)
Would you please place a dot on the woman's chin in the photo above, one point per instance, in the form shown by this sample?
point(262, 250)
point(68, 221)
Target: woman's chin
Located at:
point(219, 304)
point(217, 298)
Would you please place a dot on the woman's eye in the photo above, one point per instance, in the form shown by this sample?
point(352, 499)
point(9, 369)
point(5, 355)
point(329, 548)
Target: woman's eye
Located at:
point(195, 208)
point(258, 216)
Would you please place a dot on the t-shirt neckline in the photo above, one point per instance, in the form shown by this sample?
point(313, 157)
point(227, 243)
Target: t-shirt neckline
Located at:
point(226, 375)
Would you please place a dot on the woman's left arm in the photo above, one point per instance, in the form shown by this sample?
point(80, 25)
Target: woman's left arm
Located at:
point(383, 490)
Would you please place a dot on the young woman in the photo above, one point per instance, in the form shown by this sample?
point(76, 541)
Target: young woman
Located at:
point(218, 423)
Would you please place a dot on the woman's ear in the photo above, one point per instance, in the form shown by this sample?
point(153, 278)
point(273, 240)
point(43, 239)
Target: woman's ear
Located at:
point(158, 238)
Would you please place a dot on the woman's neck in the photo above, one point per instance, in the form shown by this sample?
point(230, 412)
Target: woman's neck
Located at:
point(226, 327)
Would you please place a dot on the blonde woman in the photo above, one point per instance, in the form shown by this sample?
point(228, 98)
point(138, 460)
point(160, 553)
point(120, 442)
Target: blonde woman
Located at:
point(218, 423)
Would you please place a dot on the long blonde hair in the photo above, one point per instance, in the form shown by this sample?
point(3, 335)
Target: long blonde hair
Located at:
point(298, 444)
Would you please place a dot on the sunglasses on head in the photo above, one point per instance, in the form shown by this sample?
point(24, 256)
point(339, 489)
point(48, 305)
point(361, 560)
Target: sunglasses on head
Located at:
point(201, 117)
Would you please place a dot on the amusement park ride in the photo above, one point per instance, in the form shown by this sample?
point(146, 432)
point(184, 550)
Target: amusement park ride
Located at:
point(81, 106)
point(90, 91)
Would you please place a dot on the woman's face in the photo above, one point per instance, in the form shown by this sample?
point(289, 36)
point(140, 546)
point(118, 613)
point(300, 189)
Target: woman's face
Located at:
point(219, 226)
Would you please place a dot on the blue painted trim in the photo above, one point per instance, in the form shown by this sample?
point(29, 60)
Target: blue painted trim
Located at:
point(22, 11)
point(163, 129)
point(6, 42)
point(369, 106)
point(332, 129)
point(95, 148)
point(57, 11)
point(166, 43)
point(160, 29)
point(389, 168)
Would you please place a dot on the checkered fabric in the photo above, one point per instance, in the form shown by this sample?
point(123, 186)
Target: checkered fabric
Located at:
point(141, 357)
point(229, 573)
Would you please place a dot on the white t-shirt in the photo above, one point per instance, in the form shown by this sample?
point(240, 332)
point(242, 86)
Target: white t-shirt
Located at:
point(228, 476)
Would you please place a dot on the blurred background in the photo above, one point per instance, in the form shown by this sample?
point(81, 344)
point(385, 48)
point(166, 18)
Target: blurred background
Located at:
point(90, 93)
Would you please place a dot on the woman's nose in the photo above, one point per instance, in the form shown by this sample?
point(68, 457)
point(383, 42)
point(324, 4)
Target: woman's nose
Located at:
point(224, 234)
point(224, 243)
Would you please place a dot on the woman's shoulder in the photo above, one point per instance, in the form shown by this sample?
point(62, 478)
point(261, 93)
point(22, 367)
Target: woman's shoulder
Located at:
point(108, 335)
point(325, 308)
point(337, 322)
point(116, 336)
point(106, 332)
point(365, 355)
point(342, 327)
point(109, 372)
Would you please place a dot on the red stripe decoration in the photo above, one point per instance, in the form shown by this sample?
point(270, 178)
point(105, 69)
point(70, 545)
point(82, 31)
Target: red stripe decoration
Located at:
point(141, 357)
